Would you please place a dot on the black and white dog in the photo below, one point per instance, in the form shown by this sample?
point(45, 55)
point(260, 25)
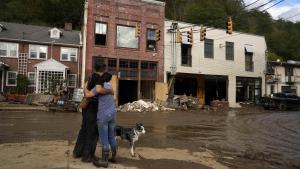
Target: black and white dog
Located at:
point(131, 135)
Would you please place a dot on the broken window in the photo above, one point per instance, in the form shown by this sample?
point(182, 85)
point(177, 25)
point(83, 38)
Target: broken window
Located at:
point(151, 42)
point(129, 69)
point(100, 34)
point(229, 51)
point(186, 55)
point(126, 37)
point(112, 66)
point(209, 48)
point(149, 70)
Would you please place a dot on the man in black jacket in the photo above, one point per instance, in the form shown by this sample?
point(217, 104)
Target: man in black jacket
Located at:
point(88, 135)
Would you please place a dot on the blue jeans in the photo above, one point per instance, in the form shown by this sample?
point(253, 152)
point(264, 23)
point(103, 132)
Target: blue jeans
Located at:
point(106, 129)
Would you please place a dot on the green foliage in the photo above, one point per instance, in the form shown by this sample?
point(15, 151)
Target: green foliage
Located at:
point(22, 84)
point(43, 12)
point(283, 37)
point(274, 57)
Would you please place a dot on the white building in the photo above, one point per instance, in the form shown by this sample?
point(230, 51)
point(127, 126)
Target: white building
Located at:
point(223, 67)
point(283, 77)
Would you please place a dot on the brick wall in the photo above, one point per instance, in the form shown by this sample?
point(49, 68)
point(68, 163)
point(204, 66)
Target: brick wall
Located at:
point(24, 48)
point(125, 12)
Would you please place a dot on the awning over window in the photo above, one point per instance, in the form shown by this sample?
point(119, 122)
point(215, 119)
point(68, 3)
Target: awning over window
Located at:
point(249, 48)
point(51, 65)
point(3, 65)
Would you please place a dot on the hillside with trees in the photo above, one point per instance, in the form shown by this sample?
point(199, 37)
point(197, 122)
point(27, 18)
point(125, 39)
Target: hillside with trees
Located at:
point(283, 37)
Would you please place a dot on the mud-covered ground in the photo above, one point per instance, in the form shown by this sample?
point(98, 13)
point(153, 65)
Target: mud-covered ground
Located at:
point(241, 138)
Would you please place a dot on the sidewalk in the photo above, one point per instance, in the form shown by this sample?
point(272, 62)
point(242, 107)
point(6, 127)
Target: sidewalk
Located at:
point(58, 155)
point(6, 106)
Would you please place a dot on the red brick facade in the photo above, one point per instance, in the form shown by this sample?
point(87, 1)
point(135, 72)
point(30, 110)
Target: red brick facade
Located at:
point(129, 13)
point(54, 50)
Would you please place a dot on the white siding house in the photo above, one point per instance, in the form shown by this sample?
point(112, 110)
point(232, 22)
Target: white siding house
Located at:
point(283, 77)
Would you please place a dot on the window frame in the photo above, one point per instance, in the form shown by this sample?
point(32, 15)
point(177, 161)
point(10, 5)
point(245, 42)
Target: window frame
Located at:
point(227, 57)
point(31, 85)
point(252, 62)
point(213, 52)
point(8, 51)
point(74, 81)
point(188, 57)
point(10, 78)
point(106, 33)
point(119, 47)
point(69, 54)
point(147, 40)
point(38, 52)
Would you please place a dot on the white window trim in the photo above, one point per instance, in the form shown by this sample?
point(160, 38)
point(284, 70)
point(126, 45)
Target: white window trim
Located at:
point(34, 79)
point(75, 81)
point(7, 78)
point(17, 53)
point(69, 54)
point(38, 52)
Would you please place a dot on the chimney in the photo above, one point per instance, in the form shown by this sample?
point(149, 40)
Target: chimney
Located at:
point(68, 26)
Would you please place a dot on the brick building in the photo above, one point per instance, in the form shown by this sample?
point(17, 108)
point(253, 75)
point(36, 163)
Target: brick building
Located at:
point(41, 53)
point(110, 37)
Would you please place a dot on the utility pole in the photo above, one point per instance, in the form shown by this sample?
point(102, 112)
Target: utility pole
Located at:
point(173, 67)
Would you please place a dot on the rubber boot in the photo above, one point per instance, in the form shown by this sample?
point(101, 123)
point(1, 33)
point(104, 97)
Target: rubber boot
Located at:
point(104, 161)
point(113, 154)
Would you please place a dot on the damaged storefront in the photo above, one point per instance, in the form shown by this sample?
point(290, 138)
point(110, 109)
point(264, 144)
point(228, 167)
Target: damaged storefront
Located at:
point(248, 89)
point(206, 88)
point(135, 79)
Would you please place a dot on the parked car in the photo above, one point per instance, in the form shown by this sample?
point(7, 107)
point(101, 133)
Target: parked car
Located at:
point(282, 101)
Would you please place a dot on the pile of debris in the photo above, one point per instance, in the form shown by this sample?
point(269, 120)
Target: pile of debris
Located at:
point(219, 105)
point(142, 106)
point(186, 102)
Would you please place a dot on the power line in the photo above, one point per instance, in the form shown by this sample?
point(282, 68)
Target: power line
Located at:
point(273, 5)
point(292, 16)
point(264, 4)
point(252, 3)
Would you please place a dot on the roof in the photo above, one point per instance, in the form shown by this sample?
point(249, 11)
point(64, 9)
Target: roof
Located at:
point(3, 65)
point(36, 34)
point(51, 65)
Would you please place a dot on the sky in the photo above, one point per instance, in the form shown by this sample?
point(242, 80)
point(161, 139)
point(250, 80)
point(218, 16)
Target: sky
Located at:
point(288, 9)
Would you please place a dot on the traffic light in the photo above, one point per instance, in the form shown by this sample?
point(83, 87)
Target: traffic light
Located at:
point(229, 26)
point(190, 35)
point(178, 36)
point(157, 35)
point(202, 33)
point(137, 30)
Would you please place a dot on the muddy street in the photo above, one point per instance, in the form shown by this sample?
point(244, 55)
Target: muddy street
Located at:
point(178, 139)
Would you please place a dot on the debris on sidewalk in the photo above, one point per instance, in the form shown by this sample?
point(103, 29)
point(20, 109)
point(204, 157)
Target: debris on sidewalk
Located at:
point(143, 106)
point(186, 102)
point(219, 105)
point(38, 99)
point(2, 98)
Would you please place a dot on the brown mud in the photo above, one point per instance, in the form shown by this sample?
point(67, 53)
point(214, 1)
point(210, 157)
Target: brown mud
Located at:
point(236, 138)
